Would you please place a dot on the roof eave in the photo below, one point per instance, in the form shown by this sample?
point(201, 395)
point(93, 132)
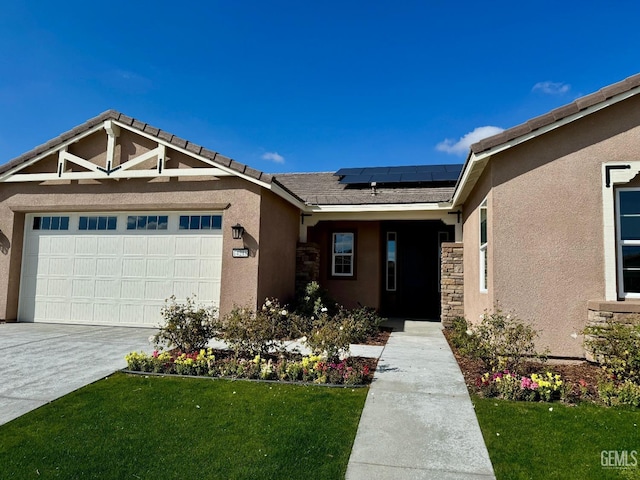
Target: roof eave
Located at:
point(480, 155)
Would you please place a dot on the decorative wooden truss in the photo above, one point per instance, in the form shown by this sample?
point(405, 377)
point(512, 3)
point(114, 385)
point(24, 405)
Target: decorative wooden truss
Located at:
point(110, 170)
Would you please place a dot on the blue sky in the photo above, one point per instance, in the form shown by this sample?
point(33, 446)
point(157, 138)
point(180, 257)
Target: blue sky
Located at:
point(294, 86)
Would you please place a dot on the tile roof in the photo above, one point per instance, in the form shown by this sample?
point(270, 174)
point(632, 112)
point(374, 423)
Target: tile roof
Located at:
point(142, 127)
point(558, 114)
point(325, 189)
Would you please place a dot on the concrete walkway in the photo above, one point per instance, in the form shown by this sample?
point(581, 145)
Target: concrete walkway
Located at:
point(418, 421)
point(42, 362)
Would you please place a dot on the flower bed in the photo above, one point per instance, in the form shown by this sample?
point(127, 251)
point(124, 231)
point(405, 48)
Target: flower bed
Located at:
point(224, 364)
point(510, 386)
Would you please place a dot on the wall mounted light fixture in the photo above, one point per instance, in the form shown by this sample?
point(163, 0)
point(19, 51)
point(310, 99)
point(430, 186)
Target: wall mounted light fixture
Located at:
point(237, 231)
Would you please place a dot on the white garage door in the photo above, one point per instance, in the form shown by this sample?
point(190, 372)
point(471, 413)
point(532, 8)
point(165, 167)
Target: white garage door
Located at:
point(117, 268)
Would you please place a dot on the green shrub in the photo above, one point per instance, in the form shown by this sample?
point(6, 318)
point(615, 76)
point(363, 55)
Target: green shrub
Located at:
point(502, 342)
point(625, 393)
point(329, 336)
point(187, 327)
point(617, 347)
point(462, 338)
point(258, 333)
point(311, 302)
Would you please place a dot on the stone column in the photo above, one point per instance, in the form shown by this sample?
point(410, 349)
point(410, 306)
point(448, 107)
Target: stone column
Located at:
point(451, 283)
point(307, 264)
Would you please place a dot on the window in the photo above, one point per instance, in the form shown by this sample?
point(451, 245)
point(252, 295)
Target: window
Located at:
point(97, 223)
point(50, 223)
point(342, 255)
point(483, 246)
point(392, 263)
point(147, 222)
point(200, 222)
point(628, 233)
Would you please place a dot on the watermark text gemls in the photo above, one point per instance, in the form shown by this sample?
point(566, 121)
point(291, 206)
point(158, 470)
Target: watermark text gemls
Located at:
point(619, 458)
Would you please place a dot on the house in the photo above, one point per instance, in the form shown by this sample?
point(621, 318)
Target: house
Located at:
point(101, 224)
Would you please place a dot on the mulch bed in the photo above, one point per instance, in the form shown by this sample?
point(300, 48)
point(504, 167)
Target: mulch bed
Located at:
point(572, 373)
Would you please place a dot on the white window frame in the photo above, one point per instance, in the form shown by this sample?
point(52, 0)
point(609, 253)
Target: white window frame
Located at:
point(484, 277)
point(335, 255)
point(392, 236)
point(620, 243)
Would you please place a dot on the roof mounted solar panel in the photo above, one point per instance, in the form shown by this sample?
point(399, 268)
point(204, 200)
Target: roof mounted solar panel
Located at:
point(355, 179)
point(398, 175)
point(349, 171)
point(416, 177)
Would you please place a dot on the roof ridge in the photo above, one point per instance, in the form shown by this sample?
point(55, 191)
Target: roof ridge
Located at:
point(557, 114)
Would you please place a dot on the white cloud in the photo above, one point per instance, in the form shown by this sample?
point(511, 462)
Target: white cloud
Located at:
point(551, 88)
point(461, 146)
point(273, 156)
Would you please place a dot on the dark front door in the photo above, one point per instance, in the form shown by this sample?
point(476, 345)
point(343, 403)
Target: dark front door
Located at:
point(411, 267)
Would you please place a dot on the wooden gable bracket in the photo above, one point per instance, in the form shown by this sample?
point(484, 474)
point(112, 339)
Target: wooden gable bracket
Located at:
point(124, 170)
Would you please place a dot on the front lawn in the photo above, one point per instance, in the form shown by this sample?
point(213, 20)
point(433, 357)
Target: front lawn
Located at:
point(556, 441)
point(152, 427)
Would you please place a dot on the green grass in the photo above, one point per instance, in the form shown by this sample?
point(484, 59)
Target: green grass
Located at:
point(128, 427)
point(528, 441)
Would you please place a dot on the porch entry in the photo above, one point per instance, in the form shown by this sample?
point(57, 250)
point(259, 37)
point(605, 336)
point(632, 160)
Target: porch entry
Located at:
point(411, 267)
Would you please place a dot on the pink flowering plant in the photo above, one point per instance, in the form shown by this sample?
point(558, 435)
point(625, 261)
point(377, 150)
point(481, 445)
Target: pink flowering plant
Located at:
point(544, 387)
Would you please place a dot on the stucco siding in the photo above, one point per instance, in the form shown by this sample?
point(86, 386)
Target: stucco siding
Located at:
point(364, 287)
point(279, 230)
point(475, 301)
point(547, 245)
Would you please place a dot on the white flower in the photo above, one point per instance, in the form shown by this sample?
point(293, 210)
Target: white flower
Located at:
point(551, 409)
point(324, 309)
point(469, 332)
point(283, 313)
point(268, 303)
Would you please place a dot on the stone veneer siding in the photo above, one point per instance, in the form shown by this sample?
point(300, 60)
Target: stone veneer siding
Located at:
point(307, 264)
point(451, 283)
point(602, 312)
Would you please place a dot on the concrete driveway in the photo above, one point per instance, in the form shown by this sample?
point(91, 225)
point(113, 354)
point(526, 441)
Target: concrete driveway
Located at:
point(42, 362)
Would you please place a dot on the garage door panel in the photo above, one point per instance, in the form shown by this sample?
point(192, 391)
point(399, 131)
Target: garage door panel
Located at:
point(58, 311)
point(107, 289)
point(58, 287)
point(59, 245)
point(187, 246)
point(132, 289)
point(54, 266)
point(134, 267)
point(157, 289)
point(116, 277)
point(85, 245)
point(81, 310)
point(135, 246)
point(84, 267)
point(160, 245)
point(184, 267)
point(110, 245)
point(159, 267)
point(109, 267)
point(83, 288)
